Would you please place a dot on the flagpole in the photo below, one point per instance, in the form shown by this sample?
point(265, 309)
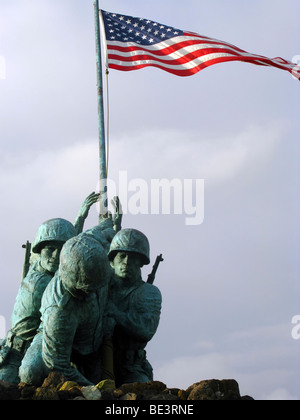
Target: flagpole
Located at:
point(101, 129)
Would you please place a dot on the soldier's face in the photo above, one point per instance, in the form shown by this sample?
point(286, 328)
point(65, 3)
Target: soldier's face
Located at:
point(127, 265)
point(50, 256)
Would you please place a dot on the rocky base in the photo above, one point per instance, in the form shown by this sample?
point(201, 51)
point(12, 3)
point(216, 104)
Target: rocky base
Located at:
point(56, 387)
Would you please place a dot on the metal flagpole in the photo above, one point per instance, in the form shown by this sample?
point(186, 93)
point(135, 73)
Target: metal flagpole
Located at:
point(107, 348)
point(101, 129)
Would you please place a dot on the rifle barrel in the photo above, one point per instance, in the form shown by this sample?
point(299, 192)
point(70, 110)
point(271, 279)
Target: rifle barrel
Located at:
point(26, 265)
point(151, 276)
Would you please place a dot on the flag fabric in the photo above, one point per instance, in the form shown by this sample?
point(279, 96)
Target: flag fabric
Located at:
point(134, 43)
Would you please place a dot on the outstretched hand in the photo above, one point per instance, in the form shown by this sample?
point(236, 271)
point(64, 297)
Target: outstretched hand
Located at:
point(87, 204)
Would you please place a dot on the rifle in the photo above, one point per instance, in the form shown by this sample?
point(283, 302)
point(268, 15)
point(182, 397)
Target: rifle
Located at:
point(26, 265)
point(151, 276)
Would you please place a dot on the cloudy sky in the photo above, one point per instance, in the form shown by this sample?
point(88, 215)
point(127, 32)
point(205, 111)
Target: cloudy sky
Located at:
point(230, 285)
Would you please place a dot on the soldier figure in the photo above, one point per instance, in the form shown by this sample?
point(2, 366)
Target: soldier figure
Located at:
point(134, 307)
point(73, 305)
point(25, 319)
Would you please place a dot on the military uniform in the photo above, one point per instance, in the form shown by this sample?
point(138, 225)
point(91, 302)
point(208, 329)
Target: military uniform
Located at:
point(136, 308)
point(26, 313)
point(72, 311)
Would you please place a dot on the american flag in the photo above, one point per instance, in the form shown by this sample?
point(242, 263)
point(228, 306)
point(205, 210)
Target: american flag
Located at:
point(133, 43)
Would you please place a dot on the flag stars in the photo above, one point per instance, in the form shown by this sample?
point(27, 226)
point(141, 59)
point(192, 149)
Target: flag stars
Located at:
point(130, 29)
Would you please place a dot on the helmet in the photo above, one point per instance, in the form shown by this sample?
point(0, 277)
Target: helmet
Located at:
point(53, 230)
point(103, 233)
point(84, 266)
point(130, 240)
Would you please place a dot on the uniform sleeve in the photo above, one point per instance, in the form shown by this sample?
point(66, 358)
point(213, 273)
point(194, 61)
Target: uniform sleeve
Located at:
point(39, 288)
point(58, 335)
point(143, 316)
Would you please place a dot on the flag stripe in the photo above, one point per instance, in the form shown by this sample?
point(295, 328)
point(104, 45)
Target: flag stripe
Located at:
point(135, 43)
point(168, 51)
point(173, 44)
point(187, 69)
point(181, 59)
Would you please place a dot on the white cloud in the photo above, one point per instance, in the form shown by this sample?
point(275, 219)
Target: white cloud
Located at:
point(173, 154)
point(247, 356)
point(184, 371)
point(46, 180)
point(50, 175)
point(280, 394)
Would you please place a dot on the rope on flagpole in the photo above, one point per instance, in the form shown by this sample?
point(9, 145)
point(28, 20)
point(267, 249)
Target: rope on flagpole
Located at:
point(107, 120)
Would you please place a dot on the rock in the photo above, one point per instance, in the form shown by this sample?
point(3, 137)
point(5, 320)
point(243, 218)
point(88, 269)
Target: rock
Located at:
point(50, 387)
point(70, 394)
point(144, 391)
point(107, 385)
point(227, 389)
point(46, 394)
point(166, 395)
point(183, 395)
point(68, 385)
point(56, 387)
point(69, 391)
point(9, 391)
point(247, 398)
point(54, 380)
point(129, 397)
point(27, 391)
point(107, 388)
point(118, 393)
point(91, 393)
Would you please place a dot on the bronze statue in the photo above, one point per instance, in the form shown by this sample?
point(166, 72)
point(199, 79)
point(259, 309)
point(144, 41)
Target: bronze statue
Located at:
point(72, 312)
point(134, 307)
point(25, 320)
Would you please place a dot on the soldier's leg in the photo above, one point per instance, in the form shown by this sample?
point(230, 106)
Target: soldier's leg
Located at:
point(9, 369)
point(12, 350)
point(33, 370)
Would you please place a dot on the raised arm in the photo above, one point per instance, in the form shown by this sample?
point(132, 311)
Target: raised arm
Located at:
point(84, 211)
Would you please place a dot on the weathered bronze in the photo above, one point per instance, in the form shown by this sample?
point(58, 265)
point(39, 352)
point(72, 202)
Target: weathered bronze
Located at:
point(25, 318)
point(83, 309)
point(134, 307)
